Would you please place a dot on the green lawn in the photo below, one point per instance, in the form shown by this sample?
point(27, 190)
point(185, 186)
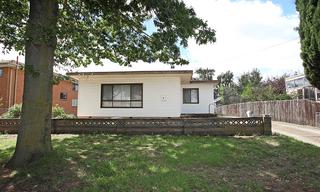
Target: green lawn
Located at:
point(166, 163)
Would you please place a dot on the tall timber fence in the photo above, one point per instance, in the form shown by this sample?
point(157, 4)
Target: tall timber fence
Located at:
point(179, 126)
point(303, 112)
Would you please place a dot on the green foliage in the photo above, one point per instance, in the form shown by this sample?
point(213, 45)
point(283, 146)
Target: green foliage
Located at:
point(13, 112)
point(247, 93)
point(58, 77)
point(57, 113)
point(205, 73)
point(225, 79)
point(261, 93)
point(253, 78)
point(92, 30)
point(309, 31)
point(250, 87)
point(228, 95)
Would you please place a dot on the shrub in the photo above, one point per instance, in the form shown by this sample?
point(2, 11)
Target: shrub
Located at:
point(14, 112)
point(57, 113)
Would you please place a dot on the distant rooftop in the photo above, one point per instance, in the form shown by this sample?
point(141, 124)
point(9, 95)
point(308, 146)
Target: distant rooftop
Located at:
point(297, 76)
point(10, 63)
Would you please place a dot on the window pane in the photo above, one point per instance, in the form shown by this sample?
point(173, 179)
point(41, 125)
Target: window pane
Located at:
point(136, 91)
point(290, 84)
point(186, 95)
point(136, 104)
point(74, 102)
point(74, 87)
point(122, 95)
point(121, 103)
point(121, 92)
point(194, 96)
point(107, 92)
point(63, 95)
point(107, 104)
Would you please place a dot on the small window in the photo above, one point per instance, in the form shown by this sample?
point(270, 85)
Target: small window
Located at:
point(75, 86)
point(74, 102)
point(121, 96)
point(318, 96)
point(191, 96)
point(1, 72)
point(63, 96)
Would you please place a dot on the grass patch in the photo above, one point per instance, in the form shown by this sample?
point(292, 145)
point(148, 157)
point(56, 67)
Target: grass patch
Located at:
point(166, 163)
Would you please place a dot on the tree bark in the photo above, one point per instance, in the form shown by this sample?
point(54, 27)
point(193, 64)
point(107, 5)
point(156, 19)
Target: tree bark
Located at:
point(34, 135)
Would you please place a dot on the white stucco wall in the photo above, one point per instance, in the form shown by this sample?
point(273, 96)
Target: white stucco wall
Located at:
point(154, 88)
point(205, 98)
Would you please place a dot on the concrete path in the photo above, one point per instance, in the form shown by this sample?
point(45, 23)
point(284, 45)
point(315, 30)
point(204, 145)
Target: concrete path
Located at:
point(302, 133)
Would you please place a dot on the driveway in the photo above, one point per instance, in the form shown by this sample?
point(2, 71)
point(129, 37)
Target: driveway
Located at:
point(302, 133)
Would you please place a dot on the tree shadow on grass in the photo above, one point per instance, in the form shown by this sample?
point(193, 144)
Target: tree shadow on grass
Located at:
point(167, 163)
point(50, 173)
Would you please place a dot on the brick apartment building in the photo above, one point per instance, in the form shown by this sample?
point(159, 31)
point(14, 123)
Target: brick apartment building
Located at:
point(65, 94)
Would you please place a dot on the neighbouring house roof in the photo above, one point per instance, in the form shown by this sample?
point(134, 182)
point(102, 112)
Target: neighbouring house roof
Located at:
point(186, 75)
point(295, 77)
point(10, 63)
point(14, 64)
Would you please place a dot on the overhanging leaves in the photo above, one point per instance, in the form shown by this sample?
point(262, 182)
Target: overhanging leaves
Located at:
point(92, 30)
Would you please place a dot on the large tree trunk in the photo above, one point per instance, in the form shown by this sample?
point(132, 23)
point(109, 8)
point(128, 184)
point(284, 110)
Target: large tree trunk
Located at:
point(34, 136)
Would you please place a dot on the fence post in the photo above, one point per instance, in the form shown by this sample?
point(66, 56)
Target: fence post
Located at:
point(317, 119)
point(267, 125)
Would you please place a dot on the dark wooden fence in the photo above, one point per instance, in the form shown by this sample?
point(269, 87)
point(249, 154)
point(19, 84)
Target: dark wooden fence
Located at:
point(192, 126)
point(292, 111)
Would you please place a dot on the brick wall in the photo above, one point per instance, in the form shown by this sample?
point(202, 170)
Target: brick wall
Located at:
point(4, 94)
point(66, 87)
point(11, 91)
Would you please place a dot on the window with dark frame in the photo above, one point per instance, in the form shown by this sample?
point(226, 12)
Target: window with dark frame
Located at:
point(190, 95)
point(121, 96)
point(63, 96)
point(1, 72)
point(75, 86)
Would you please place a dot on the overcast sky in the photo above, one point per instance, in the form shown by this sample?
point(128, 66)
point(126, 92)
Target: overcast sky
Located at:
point(250, 34)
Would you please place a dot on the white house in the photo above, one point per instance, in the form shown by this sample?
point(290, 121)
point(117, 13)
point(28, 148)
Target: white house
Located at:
point(143, 94)
point(299, 84)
